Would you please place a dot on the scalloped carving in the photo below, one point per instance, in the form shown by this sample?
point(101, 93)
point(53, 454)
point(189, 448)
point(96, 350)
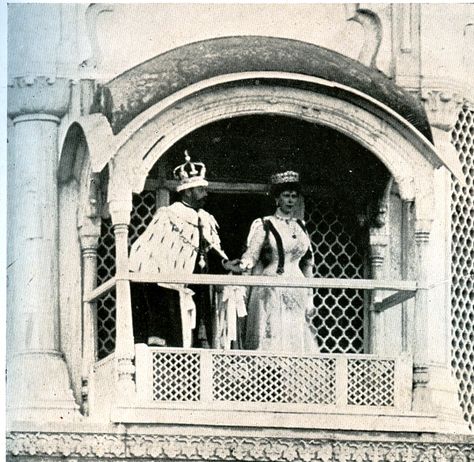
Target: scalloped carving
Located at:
point(230, 448)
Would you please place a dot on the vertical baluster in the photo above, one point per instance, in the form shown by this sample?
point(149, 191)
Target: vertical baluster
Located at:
point(206, 376)
point(124, 344)
point(144, 372)
point(89, 314)
point(341, 381)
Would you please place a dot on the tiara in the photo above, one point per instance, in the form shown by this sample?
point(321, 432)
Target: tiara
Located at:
point(190, 174)
point(285, 177)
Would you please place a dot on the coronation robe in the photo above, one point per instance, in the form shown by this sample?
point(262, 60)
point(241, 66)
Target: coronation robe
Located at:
point(178, 240)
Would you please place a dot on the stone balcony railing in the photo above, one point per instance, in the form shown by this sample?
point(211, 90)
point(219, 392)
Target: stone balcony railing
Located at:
point(246, 380)
point(239, 388)
point(176, 383)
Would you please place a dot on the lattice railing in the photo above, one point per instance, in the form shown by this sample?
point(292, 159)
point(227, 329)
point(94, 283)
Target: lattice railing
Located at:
point(462, 265)
point(273, 379)
point(251, 378)
point(182, 371)
point(372, 382)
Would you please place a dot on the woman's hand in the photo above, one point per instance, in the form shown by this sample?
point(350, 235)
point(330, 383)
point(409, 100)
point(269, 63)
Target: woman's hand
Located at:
point(232, 265)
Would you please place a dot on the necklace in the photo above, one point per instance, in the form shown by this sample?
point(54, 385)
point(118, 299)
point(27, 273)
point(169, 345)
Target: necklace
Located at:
point(290, 222)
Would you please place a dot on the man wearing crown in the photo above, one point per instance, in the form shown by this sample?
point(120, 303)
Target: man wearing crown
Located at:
point(181, 238)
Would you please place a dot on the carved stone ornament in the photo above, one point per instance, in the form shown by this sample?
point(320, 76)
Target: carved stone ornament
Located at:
point(442, 106)
point(227, 448)
point(38, 95)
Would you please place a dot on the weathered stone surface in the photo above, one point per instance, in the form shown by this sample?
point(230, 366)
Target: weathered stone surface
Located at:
point(354, 447)
point(38, 95)
point(139, 88)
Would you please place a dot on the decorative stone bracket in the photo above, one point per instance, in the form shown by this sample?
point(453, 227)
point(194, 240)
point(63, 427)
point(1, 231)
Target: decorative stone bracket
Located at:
point(442, 105)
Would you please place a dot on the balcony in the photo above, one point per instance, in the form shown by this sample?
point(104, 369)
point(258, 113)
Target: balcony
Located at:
point(238, 387)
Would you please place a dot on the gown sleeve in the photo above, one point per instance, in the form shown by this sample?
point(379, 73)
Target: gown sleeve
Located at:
point(307, 261)
point(255, 242)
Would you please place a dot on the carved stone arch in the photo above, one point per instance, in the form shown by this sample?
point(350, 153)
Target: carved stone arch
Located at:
point(79, 230)
point(144, 96)
point(95, 131)
point(157, 103)
point(139, 88)
point(408, 159)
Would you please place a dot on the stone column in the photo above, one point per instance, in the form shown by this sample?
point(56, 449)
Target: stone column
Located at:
point(37, 378)
point(124, 342)
point(435, 389)
point(378, 241)
point(421, 359)
point(89, 240)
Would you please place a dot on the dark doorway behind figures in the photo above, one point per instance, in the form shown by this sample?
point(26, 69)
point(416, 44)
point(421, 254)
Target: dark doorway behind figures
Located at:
point(235, 213)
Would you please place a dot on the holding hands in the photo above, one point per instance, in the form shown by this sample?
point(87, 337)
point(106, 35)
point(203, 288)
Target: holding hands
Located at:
point(232, 265)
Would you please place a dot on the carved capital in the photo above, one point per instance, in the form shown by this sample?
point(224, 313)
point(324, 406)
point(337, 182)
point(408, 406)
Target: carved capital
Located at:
point(89, 239)
point(442, 106)
point(120, 213)
point(378, 245)
point(89, 217)
point(38, 95)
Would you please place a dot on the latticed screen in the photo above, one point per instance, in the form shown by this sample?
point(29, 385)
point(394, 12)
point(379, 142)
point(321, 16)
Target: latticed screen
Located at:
point(329, 380)
point(176, 377)
point(273, 379)
point(371, 383)
point(462, 247)
point(338, 313)
point(144, 205)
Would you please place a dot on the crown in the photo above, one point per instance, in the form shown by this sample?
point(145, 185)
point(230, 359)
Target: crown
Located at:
point(190, 174)
point(285, 177)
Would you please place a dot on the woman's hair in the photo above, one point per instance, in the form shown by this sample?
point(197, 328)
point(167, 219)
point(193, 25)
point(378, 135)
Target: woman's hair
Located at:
point(285, 181)
point(277, 189)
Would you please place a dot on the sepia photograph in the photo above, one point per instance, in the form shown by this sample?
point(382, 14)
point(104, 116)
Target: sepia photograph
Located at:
point(239, 232)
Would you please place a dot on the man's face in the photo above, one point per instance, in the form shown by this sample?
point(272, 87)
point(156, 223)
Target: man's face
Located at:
point(197, 196)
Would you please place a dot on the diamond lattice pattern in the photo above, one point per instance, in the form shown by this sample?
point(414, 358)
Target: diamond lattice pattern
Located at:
point(371, 382)
point(462, 250)
point(273, 379)
point(339, 313)
point(143, 210)
point(176, 376)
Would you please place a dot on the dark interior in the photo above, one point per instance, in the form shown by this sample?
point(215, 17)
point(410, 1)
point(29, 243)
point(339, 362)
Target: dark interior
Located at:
point(249, 149)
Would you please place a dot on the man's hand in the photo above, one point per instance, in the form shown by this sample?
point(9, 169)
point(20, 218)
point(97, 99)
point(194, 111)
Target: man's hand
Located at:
point(232, 265)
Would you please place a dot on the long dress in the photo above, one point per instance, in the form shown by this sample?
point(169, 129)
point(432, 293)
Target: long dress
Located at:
point(278, 318)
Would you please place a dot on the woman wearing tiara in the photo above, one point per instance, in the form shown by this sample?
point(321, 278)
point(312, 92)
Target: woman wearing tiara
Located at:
point(278, 317)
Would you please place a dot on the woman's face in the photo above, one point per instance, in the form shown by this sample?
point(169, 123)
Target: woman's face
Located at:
point(287, 201)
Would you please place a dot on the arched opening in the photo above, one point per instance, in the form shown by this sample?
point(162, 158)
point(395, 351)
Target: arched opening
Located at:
point(344, 184)
point(71, 179)
point(81, 194)
point(363, 147)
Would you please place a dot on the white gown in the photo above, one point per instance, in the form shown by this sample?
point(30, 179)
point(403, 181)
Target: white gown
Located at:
point(277, 318)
